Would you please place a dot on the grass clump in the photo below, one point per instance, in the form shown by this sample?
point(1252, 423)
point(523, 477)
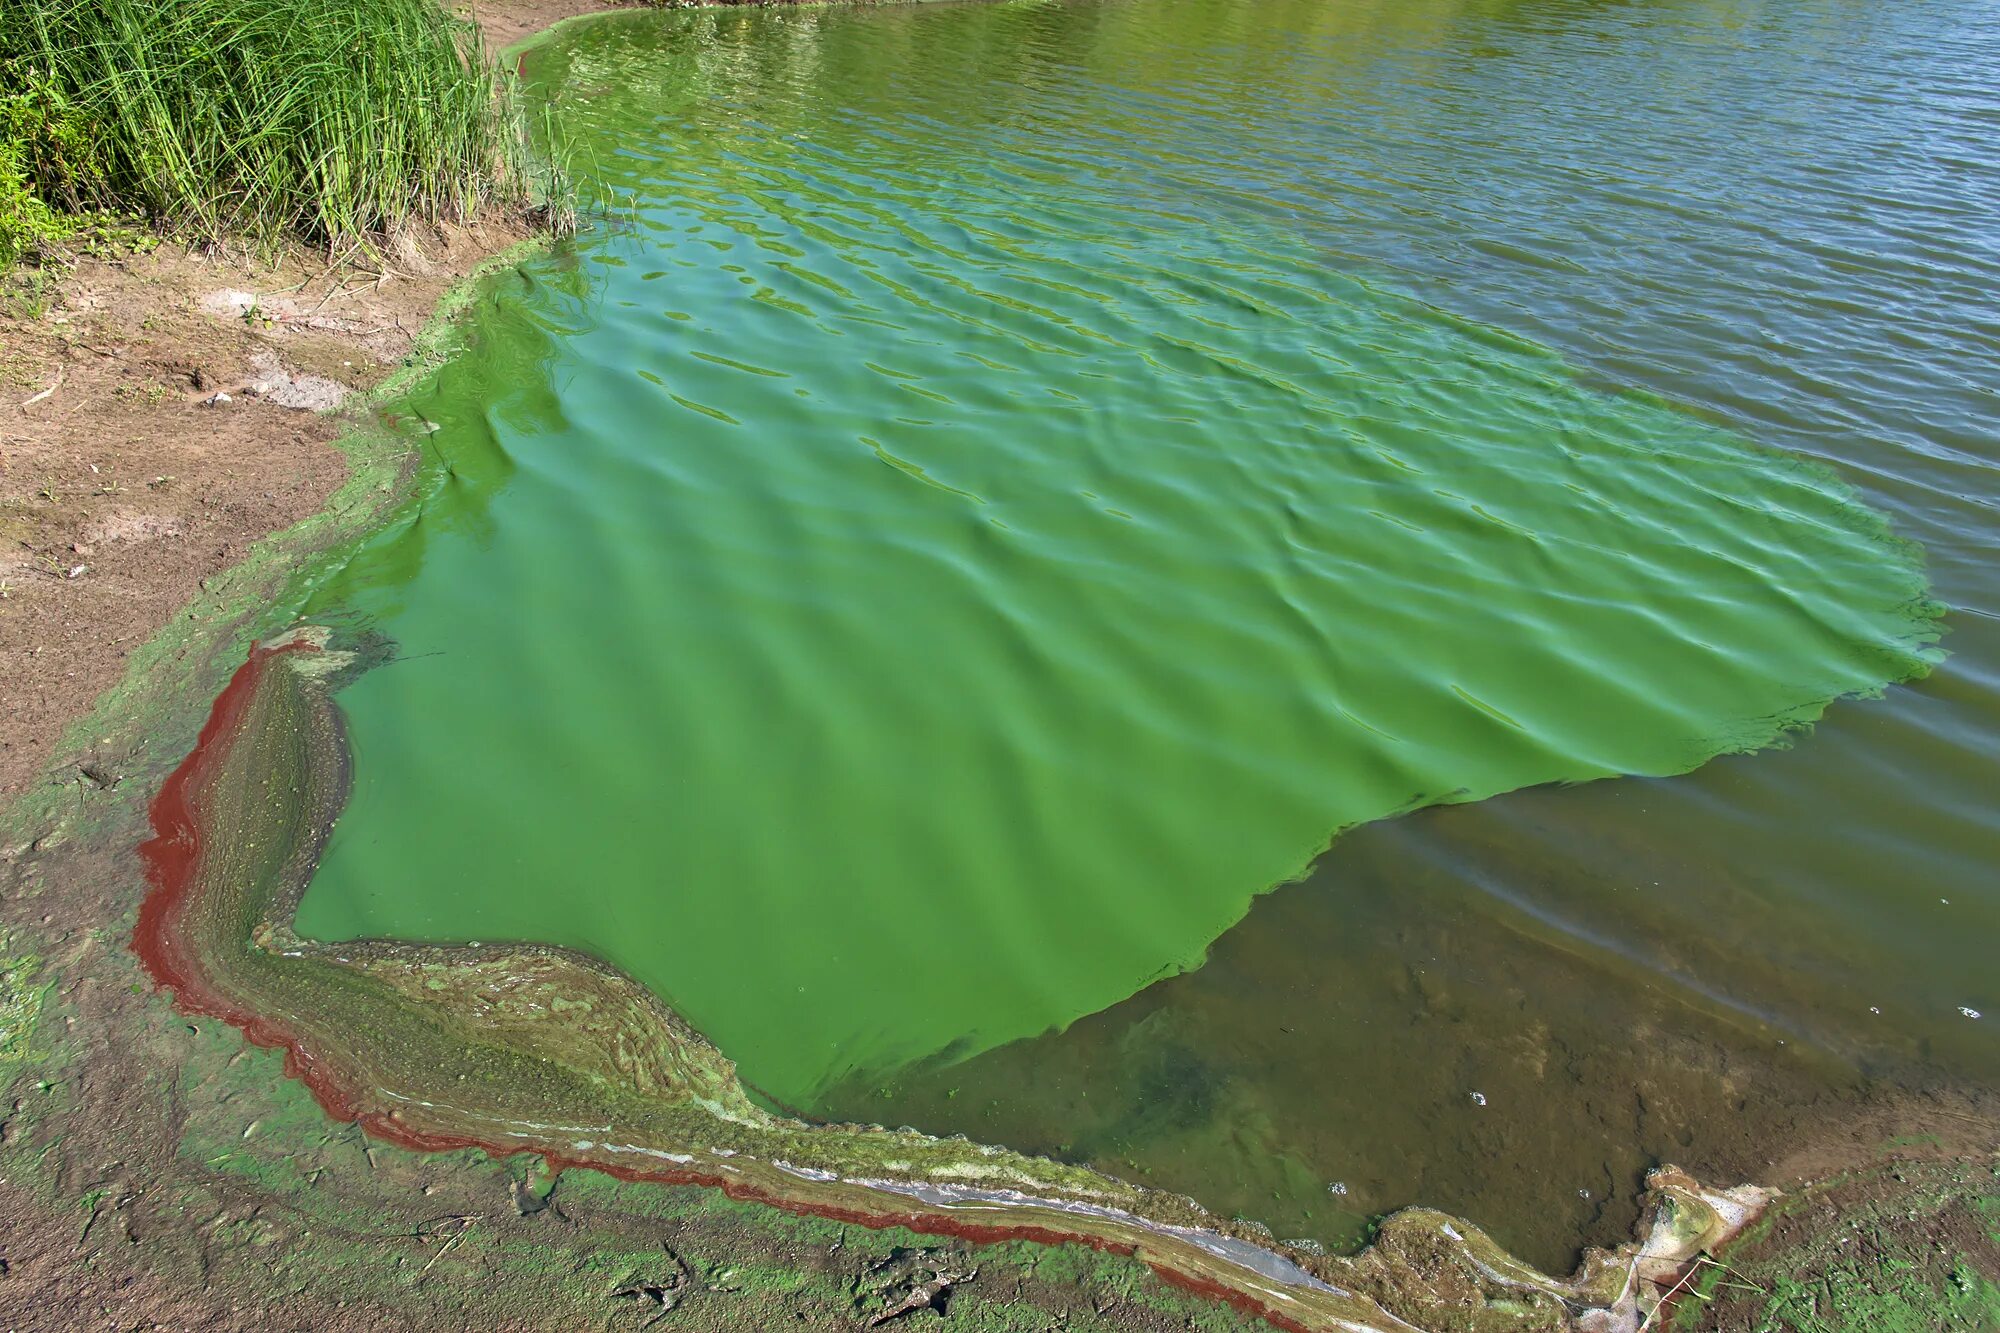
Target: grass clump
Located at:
point(330, 120)
point(27, 225)
point(38, 128)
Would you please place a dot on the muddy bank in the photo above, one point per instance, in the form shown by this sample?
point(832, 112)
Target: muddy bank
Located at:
point(165, 410)
point(508, 24)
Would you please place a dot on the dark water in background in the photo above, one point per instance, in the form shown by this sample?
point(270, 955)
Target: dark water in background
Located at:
point(737, 613)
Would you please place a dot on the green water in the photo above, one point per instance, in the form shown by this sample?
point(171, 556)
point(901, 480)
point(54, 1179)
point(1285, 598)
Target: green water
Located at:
point(987, 497)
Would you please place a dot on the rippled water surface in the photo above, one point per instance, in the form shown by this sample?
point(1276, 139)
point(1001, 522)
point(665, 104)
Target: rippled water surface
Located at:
point(996, 489)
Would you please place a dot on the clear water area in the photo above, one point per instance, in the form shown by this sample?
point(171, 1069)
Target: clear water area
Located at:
point(1001, 487)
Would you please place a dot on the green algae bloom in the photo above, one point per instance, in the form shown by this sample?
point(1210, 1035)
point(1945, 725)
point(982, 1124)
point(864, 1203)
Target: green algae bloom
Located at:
point(923, 563)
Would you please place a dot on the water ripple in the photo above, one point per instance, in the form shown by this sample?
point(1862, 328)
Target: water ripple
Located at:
point(1006, 485)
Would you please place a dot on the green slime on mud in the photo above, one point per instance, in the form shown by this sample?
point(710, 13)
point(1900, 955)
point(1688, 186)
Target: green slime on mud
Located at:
point(942, 542)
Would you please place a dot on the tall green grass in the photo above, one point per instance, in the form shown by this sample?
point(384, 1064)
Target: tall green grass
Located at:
point(333, 120)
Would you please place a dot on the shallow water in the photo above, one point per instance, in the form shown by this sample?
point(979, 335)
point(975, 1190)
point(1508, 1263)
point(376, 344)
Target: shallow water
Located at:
point(1000, 487)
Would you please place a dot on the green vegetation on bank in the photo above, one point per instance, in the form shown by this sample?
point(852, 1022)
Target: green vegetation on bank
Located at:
point(1904, 1246)
point(329, 120)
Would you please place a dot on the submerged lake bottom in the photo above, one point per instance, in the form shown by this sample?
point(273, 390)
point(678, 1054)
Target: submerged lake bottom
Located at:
point(1022, 577)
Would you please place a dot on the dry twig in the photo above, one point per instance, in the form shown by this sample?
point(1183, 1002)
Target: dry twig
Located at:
point(62, 373)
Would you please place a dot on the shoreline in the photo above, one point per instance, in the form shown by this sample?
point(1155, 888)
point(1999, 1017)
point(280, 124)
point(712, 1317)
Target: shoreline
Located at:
point(216, 930)
point(205, 643)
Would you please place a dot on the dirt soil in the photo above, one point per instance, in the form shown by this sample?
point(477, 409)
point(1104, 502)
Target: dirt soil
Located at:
point(506, 22)
point(160, 416)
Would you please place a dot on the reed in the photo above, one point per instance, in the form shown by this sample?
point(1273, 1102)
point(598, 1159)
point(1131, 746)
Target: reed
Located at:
point(332, 120)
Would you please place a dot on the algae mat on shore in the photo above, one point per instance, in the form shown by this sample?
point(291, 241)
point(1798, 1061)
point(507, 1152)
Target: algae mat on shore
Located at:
point(955, 529)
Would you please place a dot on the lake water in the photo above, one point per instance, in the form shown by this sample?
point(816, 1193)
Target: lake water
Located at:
point(994, 490)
